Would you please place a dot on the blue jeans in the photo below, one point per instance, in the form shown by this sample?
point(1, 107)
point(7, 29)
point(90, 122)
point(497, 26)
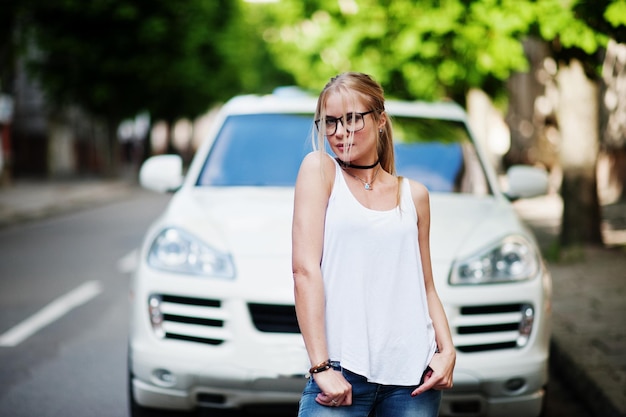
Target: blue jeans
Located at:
point(367, 397)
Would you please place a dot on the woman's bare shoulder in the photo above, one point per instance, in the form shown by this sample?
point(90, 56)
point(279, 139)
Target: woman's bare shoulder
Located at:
point(418, 190)
point(421, 198)
point(316, 170)
point(317, 159)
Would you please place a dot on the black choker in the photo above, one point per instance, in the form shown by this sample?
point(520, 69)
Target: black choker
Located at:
point(349, 165)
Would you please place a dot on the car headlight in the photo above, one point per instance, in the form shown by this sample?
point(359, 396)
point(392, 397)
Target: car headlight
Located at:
point(175, 250)
point(512, 259)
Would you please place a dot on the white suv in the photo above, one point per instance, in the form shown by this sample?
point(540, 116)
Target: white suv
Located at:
point(213, 321)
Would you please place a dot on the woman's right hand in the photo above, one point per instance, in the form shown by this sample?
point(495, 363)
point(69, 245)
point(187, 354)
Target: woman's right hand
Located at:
point(336, 391)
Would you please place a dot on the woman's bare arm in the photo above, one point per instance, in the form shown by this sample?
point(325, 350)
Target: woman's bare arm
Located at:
point(443, 362)
point(312, 192)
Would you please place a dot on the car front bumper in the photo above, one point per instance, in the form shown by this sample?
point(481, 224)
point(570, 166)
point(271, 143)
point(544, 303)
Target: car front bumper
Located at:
point(182, 377)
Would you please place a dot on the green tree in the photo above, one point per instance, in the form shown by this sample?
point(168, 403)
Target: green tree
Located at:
point(425, 50)
point(578, 36)
point(116, 58)
point(441, 48)
point(7, 51)
point(247, 52)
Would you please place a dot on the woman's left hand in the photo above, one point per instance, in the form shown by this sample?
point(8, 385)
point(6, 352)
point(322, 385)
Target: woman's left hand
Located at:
point(440, 374)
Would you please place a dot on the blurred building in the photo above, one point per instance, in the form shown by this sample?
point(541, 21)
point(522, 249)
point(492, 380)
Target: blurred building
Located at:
point(47, 141)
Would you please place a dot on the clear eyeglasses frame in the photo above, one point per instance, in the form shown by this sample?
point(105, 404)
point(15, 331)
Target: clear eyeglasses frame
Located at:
point(354, 122)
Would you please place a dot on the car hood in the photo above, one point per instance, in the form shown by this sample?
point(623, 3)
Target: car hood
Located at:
point(245, 221)
point(462, 224)
point(253, 225)
point(256, 221)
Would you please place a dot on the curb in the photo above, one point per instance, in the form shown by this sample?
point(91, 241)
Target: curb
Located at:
point(66, 199)
point(575, 377)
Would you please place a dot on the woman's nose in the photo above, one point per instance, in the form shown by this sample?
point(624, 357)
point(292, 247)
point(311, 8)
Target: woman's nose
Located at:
point(340, 129)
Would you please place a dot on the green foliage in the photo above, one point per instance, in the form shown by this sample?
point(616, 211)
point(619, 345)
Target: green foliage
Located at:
point(615, 13)
point(8, 17)
point(607, 17)
point(562, 24)
point(118, 57)
point(427, 49)
point(245, 52)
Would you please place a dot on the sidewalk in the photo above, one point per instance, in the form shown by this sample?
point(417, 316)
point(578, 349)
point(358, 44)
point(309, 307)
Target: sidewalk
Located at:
point(589, 301)
point(27, 200)
point(589, 307)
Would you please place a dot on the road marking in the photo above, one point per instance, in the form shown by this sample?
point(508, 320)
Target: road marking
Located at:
point(53, 311)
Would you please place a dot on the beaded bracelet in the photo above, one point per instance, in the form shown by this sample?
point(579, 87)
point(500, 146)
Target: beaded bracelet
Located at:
point(321, 367)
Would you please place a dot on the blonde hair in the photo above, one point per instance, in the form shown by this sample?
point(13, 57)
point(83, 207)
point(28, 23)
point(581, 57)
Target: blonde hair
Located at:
point(358, 86)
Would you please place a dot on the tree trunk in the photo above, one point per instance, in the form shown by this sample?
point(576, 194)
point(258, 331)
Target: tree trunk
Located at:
point(579, 126)
point(614, 120)
point(526, 119)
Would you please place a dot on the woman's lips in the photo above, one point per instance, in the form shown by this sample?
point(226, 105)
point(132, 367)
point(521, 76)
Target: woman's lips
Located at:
point(343, 147)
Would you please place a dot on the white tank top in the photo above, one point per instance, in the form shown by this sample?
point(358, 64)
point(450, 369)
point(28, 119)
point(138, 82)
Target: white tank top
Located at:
point(377, 319)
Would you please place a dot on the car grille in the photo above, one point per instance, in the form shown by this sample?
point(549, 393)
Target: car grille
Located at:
point(198, 320)
point(492, 327)
point(274, 318)
point(476, 328)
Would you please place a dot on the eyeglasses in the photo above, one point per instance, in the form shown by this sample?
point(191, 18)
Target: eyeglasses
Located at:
point(353, 123)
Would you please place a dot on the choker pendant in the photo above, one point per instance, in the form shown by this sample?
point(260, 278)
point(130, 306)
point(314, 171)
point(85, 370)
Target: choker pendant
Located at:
point(366, 185)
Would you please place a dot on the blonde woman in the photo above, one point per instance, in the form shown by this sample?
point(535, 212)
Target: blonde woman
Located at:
point(374, 327)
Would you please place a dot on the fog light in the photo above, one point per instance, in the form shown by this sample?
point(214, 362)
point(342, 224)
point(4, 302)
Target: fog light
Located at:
point(164, 377)
point(156, 315)
point(525, 325)
point(515, 384)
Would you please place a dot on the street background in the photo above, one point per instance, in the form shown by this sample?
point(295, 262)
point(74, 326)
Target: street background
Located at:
point(587, 355)
point(89, 89)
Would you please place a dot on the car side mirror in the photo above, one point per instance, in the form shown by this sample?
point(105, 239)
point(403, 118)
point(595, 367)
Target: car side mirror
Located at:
point(526, 182)
point(162, 173)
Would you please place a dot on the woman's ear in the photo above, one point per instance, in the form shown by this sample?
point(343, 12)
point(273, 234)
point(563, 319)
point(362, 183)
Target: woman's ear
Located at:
point(382, 121)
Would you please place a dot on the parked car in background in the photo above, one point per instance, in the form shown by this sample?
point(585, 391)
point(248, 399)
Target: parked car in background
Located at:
point(213, 321)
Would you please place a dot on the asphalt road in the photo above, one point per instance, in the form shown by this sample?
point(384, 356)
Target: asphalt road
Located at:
point(64, 307)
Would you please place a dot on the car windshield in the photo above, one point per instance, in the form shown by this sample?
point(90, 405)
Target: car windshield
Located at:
point(267, 149)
